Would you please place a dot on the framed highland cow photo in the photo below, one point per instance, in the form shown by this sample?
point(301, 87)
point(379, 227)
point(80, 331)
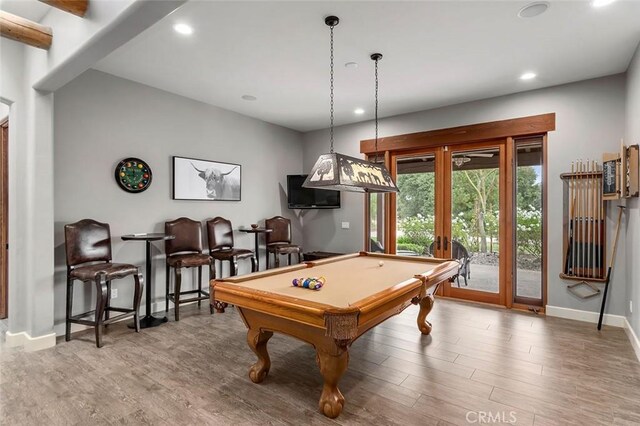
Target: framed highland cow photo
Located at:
point(204, 180)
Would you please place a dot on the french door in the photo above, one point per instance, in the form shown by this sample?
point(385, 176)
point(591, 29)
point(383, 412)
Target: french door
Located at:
point(452, 205)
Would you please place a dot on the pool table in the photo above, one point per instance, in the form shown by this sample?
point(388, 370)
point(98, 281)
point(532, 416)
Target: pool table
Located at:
point(361, 291)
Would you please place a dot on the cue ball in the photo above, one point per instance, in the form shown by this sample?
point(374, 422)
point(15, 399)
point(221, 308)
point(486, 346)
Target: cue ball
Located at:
point(380, 263)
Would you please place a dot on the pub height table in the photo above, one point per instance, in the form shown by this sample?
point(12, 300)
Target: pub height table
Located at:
point(256, 231)
point(148, 320)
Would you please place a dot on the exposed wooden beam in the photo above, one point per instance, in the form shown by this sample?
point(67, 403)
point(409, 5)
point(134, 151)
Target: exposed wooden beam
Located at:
point(77, 7)
point(525, 126)
point(25, 31)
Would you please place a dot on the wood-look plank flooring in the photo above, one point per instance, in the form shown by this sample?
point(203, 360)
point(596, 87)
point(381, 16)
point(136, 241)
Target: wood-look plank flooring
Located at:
point(540, 371)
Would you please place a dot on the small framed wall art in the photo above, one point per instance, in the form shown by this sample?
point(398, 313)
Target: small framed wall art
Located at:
point(133, 175)
point(205, 180)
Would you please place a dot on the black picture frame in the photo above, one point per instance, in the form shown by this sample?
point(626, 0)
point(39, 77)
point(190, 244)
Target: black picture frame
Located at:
point(196, 179)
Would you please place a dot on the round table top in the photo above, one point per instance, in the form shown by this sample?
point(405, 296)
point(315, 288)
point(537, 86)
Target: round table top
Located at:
point(154, 236)
point(256, 230)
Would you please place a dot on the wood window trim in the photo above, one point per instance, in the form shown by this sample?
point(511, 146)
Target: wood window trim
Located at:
point(515, 127)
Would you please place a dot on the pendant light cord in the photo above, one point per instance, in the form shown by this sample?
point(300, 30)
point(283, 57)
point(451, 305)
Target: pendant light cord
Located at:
point(331, 85)
point(376, 110)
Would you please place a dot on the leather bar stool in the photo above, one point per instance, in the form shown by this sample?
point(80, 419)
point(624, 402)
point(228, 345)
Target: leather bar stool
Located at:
point(221, 245)
point(185, 251)
point(88, 250)
point(279, 241)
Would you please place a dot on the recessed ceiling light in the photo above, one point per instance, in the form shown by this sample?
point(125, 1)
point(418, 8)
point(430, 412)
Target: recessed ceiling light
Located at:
point(351, 65)
point(601, 3)
point(183, 29)
point(533, 9)
point(249, 97)
point(528, 76)
point(358, 111)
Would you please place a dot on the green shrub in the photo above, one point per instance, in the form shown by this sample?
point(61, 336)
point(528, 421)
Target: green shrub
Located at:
point(416, 248)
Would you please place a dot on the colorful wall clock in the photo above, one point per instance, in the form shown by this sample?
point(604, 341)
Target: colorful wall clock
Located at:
point(133, 175)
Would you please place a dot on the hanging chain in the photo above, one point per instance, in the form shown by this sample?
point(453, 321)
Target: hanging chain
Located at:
point(331, 127)
point(376, 110)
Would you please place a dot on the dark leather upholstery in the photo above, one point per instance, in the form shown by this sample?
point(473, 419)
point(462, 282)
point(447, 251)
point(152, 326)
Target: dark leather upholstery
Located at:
point(279, 240)
point(219, 233)
point(87, 241)
point(281, 230)
point(229, 254)
point(187, 233)
point(88, 250)
point(185, 251)
point(283, 248)
point(188, 260)
point(111, 271)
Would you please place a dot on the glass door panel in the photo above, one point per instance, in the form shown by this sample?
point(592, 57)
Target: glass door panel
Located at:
point(475, 218)
point(376, 240)
point(416, 205)
point(528, 221)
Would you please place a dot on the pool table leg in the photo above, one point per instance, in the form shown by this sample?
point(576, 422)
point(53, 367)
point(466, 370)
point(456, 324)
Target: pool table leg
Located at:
point(257, 340)
point(426, 304)
point(333, 363)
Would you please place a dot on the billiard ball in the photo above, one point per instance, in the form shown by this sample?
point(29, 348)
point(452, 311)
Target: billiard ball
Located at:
point(381, 263)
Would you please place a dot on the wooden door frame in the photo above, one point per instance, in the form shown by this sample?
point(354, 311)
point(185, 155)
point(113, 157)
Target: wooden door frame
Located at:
point(4, 221)
point(508, 130)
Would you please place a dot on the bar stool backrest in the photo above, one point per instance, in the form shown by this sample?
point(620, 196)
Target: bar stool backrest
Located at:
point(188, 236)
point(87, 241)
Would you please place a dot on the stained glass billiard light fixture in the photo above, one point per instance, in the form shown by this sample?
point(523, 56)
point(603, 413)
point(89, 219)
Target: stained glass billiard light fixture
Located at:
point(341, 172)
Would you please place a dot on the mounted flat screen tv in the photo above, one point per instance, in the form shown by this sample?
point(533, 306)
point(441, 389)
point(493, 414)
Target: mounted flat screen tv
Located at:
point(308, 198)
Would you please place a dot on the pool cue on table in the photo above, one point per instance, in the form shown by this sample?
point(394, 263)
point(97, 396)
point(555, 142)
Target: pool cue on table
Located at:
point(611, 261)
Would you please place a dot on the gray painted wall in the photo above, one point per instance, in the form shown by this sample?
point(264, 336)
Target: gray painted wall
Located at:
point(590, 120)
point(101, 119)
point(633, 204)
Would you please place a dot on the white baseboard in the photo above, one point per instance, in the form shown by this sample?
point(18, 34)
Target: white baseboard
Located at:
point(633, 338)
point(586, 316)
point(29, 343)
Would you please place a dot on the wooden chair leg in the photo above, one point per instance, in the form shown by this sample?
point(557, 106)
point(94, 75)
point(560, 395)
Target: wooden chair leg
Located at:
point(233, 267)
point(101, 302)
point(199, 285)
point(176, 292)
point(137, 297)
point(166, 292)
point(67, 334)
point(212, 276)
point(254, 260)
point(108, 304)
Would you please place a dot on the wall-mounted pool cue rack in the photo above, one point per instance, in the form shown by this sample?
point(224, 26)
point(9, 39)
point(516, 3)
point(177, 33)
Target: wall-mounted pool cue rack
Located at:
point(584, 225)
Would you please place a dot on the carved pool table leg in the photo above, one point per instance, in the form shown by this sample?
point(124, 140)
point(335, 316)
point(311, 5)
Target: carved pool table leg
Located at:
point(332, 365)
point(257, 341)
point(426, 304)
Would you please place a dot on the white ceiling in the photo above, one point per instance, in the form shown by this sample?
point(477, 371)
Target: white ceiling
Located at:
point(435, 54)
point(28, 9)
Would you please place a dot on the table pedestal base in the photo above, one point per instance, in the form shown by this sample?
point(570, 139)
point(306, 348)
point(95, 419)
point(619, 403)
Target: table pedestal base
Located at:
point(150, 321)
